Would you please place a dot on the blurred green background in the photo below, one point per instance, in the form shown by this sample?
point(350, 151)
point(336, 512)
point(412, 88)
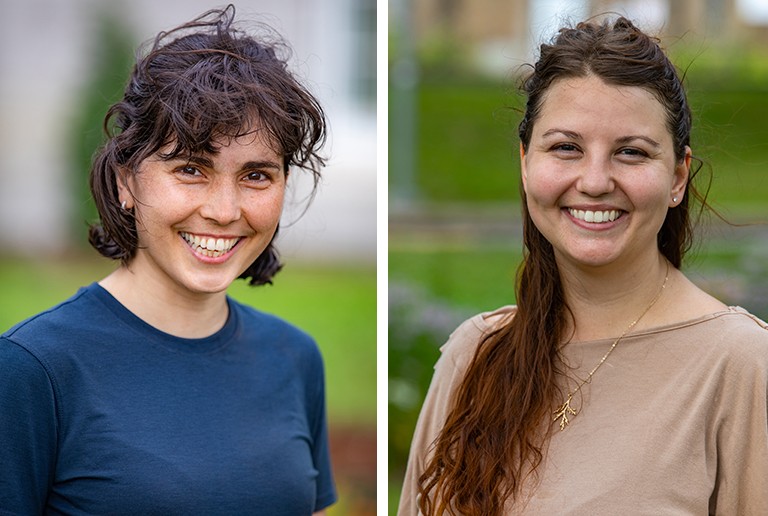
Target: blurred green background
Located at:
point(454, 229)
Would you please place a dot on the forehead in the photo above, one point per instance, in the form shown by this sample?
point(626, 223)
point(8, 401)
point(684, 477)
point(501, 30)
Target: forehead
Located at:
point(589, 104)
point(254, 139)
point(248, 147)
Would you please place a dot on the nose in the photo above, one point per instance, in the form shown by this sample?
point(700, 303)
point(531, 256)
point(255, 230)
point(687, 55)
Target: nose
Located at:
point(222, 203)
point(595, 177)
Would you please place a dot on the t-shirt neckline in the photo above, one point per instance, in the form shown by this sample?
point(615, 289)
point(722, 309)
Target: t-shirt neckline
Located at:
point(664, 328)
point(209, 344)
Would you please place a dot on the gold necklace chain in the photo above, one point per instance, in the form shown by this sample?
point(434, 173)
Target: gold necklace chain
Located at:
point(565, 409)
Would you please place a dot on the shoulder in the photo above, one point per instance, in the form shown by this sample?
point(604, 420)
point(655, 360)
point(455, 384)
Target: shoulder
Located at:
point(741, 318)
point(275, 332)
point(456, 354)
point(269, 323)
point(730, 345)
point(27, 389)
point(18, 364)
point(741, 338)
point(738, 333)
point(462, 344)
point(48, 327)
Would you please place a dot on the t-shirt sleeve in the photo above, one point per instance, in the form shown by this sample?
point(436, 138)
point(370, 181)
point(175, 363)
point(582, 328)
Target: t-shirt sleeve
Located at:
point(326, 489)
point(27, 431)
point(741, 484)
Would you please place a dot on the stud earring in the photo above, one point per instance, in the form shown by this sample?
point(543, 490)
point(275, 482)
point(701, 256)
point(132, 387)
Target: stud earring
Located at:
point(674, 199)
point(122, 205)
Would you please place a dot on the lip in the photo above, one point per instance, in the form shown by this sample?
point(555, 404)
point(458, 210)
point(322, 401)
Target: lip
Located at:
point(595, 217)
point(210, 248)
point(593, 207)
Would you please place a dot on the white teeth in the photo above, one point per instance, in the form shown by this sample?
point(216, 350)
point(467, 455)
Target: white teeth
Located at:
point(597, 217)
point(211, 247)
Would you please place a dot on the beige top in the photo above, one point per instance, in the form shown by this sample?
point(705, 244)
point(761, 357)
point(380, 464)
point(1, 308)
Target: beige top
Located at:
point(675, 422)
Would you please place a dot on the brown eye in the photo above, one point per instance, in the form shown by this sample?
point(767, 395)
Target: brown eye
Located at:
point(565, 150)
point(633, 152)
point(257, 176)
point(189, 170)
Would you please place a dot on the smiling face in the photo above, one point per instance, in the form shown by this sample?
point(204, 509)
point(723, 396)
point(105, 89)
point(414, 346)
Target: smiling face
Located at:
point(600, 172)
point(202, 221)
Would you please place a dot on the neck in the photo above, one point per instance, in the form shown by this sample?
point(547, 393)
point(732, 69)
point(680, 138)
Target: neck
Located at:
point(605, 300)
point(172, 311)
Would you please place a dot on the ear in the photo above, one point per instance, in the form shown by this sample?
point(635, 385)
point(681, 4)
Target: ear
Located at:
point(523, 168)
point(125, 187)
point(680, 178)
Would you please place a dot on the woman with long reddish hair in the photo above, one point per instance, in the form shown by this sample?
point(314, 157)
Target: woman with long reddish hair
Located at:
point(615, 385)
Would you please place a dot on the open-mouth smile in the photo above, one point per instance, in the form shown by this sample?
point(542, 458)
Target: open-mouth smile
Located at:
point(595, 217)
point(209, 246)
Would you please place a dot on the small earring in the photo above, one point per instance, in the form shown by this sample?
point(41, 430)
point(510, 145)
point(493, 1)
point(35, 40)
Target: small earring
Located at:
point(674, 199)
point(122, 205)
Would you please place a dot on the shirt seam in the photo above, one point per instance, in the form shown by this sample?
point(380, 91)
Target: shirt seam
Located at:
point(51, 310)
point(54, 389)
point(479, 321)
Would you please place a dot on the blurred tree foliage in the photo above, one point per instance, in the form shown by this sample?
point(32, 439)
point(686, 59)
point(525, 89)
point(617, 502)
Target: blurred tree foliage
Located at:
point(112, 55)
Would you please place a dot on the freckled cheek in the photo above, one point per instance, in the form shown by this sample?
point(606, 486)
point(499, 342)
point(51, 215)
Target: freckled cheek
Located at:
point(166, 210)
point(264, 213)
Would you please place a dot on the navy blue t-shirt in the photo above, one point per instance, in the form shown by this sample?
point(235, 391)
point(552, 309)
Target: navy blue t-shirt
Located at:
point(101, 413)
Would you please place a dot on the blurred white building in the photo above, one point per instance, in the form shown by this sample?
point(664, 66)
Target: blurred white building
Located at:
point(44, 62)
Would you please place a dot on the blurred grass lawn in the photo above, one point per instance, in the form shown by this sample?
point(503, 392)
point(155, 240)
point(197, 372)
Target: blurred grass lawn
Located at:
point(336, 304)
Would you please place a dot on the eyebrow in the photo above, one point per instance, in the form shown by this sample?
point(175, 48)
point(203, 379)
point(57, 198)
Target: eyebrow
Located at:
point(565, 132)
point(206, 162)
point(622, 140)
point(650, 141)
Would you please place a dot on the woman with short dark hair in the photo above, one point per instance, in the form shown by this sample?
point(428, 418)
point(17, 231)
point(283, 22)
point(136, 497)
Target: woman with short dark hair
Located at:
point(151, 391)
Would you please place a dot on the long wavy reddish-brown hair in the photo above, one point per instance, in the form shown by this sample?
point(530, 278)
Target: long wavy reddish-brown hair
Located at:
point(496, 431)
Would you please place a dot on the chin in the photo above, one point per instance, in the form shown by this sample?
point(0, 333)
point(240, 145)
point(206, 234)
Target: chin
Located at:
point(589, 259)
point(213, 285)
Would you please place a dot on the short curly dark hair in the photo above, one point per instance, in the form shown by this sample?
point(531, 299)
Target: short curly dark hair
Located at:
point(200, 82)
